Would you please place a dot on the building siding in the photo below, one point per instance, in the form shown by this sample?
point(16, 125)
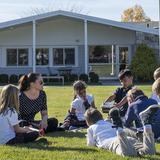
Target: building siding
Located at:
point(59, 31)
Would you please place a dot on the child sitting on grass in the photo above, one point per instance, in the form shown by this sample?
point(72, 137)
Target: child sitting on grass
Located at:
point(113, 138)
point(156, 76)
point(119, 96)
point(10, 131)
point(79, 105)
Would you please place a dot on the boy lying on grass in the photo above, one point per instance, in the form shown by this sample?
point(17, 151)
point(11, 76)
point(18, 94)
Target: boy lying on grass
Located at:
point(112, 137)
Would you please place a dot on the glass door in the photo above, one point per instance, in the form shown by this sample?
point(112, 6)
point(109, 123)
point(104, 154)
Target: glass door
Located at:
point(102, 59)
point(123, 57)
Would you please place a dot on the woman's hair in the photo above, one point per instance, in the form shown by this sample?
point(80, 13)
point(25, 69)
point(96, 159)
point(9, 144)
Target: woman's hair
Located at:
point(156, 86)
point(92, 116)
point(156, 74)
point(24, 82)
point(78, 86)
point(9, 98)
point(135, 93)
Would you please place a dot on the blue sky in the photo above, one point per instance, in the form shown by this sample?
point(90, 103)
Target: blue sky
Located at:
point(109, 9)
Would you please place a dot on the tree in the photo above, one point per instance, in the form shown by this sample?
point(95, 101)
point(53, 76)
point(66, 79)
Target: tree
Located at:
point(134, 14)
point(143, 63)
point(54, 6)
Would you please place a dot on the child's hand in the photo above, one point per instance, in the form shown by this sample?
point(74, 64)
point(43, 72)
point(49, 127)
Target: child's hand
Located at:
point(43, 124)
point(41, 132)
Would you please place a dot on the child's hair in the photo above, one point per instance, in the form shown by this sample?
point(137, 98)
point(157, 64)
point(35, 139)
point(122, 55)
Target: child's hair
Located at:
point(24, 82)
point(156, 74)
point(78, 86)
point(135, 93)
point(92, 116)
point(9, 98)
point(124, 73)
point(156, 86)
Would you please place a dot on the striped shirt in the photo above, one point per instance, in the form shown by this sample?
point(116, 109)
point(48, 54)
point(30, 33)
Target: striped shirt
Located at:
point(29, 107)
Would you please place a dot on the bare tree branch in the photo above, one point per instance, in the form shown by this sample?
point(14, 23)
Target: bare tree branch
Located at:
point(54, 5)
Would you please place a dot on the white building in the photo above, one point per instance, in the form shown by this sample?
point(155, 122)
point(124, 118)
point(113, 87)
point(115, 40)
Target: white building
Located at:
point(59, 40)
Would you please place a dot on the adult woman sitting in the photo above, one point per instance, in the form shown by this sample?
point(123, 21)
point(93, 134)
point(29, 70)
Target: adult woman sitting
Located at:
point(33, 100)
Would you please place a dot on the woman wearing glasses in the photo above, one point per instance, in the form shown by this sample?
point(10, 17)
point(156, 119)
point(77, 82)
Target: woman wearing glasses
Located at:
point(33, 100)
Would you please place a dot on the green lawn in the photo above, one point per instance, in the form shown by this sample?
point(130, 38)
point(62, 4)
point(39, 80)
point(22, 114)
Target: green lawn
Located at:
point(66, 145)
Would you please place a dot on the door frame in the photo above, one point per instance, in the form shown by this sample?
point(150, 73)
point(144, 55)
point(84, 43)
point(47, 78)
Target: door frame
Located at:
point(117, 56)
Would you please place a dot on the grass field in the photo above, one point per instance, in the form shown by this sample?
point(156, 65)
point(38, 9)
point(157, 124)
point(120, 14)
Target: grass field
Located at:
point(67, 145)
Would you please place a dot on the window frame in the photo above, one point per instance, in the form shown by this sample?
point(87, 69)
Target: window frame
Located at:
point(17, 59)
point(39, 47)
point(103, 63)
point(64, 56)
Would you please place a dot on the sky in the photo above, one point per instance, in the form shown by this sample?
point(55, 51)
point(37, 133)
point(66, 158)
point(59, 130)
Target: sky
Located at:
point(109, 9)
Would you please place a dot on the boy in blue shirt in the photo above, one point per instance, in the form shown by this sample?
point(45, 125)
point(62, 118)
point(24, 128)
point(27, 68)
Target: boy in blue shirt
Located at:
point(138, 103)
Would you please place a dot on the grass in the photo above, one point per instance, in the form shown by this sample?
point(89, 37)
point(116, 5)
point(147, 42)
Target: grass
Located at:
point(67, 145)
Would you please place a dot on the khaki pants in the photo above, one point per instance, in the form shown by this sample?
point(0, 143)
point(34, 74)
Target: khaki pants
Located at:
point(128, 146)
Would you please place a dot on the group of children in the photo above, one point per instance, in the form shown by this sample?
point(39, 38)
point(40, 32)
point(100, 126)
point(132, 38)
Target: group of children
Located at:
point(134, 123)
point(132, 127)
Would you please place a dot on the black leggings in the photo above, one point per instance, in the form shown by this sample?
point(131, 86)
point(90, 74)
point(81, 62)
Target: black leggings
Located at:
point(24, 138)
point(52, 124)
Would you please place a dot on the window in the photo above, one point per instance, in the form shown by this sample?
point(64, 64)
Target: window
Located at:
point(23, 57)
point(123, 58)
point(17, 57)
point(70, 56)
point(64, 56)
point(101, 54)
point(42, 56)
point(58, 56)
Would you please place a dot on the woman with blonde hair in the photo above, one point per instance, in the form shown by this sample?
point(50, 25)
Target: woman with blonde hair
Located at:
point(10, 131)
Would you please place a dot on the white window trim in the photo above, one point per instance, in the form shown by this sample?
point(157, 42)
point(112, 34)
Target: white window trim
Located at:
point(65, 47)
point(17, 66)
point(50, 63)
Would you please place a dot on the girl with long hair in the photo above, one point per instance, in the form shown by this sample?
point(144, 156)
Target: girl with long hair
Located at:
point(10, 131)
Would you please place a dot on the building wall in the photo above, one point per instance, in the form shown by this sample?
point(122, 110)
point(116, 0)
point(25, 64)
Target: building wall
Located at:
point(59, 31)
point(79, 68)
point(102, 35)
point(65, 31)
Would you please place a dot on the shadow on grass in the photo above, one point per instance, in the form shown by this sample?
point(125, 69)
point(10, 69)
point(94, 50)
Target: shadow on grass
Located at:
point(67, 134)
point(43, 144)
point(149, 157)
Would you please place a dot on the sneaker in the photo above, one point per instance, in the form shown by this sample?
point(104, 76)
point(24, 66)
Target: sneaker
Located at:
point(73, 128)
point(147, 114)
point(115, 117)
point(64, 126)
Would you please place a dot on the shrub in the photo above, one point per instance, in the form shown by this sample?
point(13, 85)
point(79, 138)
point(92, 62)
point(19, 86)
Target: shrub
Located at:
point(73, 77)
point(45, 80)
point(13, 78)
point(83, 77)
point(4, 78)
point(143, 63)
point(94, 78)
